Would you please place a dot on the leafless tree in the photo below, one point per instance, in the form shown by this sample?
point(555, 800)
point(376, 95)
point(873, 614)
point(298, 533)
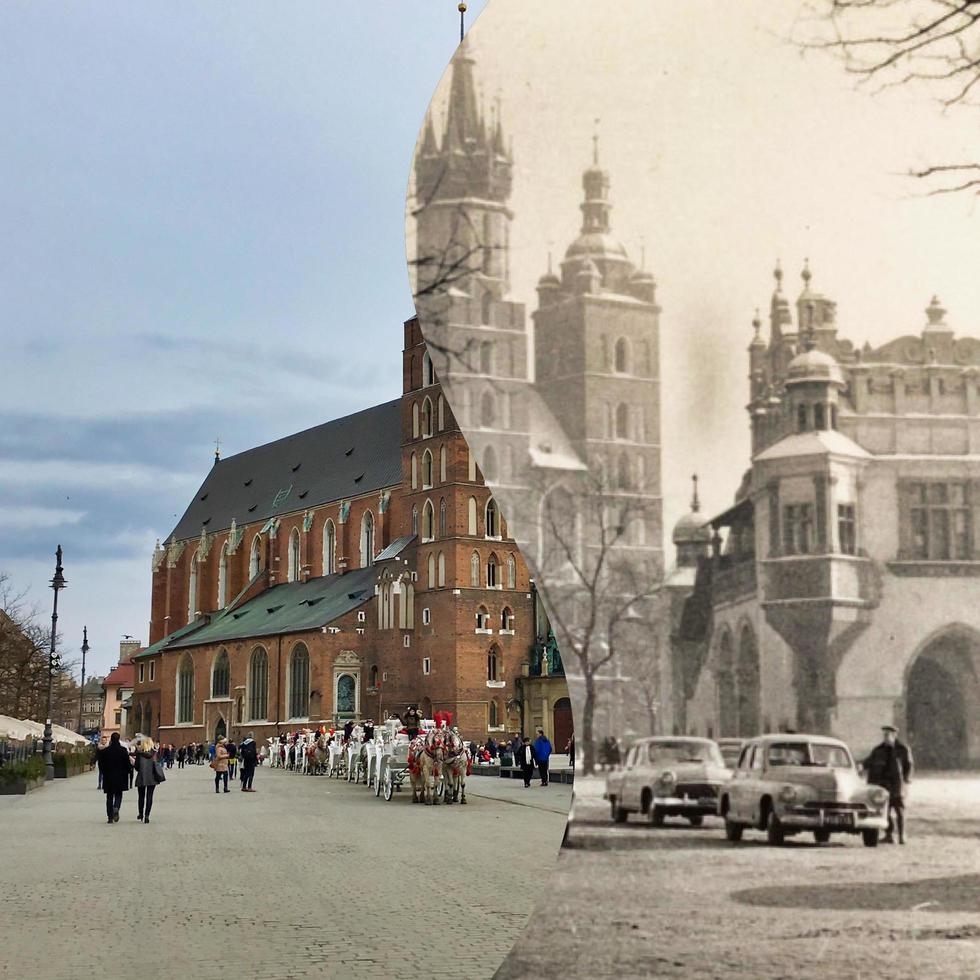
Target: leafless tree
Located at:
point(930, 44)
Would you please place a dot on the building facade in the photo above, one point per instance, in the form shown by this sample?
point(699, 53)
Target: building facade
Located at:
point(93, 705)
point(344, 572)
point(837, 595)
point(118, 688)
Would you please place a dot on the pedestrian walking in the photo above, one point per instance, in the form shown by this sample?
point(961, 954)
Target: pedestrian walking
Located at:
point(526, 756)
point(249, 754)
point(542, 753)
point(114, 765)
point(232, 750)
point(149, 773)
point(181, 752)
point(220, 765)
point(200, 753)
point(890, 766)
point(570, 749)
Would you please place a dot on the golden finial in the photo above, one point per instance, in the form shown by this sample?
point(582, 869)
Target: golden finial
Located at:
point(462, 21)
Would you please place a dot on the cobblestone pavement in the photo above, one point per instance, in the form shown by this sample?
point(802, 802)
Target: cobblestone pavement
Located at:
point(307, 877)
point(635, 902)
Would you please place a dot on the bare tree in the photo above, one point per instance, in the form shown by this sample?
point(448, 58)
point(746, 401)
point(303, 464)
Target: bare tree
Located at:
point(931, 44)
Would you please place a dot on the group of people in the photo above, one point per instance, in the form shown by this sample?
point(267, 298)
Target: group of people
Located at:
point(225, 757)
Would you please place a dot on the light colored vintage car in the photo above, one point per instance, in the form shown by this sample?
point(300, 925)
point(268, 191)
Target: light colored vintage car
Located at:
point(667, 776)
point(784, 784)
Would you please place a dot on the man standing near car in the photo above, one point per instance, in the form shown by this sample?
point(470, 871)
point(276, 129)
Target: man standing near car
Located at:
point(890, 766)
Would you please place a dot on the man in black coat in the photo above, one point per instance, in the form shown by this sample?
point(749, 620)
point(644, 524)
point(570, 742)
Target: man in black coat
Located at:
point(248, 752)
point(890, 766)
point(114, 767)
point(526, 760)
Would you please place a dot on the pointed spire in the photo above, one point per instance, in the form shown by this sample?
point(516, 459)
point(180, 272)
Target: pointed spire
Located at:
point(595, 145)
point(217, 450)
point(806, 275)
point(777, 274)
point(430, 145)
point(463, 126)
point(695, 502)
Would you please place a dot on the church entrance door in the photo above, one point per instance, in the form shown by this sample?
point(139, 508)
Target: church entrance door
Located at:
point(220, 730)
point(563, 723)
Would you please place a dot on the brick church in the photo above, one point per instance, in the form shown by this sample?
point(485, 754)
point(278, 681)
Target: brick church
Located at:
point(340, 573)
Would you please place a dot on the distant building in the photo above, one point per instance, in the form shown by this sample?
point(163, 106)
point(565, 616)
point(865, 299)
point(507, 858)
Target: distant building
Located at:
point(840, 589)
point(93, 705)
point(118, 687)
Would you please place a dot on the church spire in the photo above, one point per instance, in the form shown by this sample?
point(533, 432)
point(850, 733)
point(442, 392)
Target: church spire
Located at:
point(464, 128)
point(596, 206)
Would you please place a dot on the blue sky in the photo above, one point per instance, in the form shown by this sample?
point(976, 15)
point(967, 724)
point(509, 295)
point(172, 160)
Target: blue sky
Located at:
point(201, 235)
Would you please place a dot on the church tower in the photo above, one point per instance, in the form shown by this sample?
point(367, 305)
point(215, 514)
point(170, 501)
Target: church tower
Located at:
point(597, 364)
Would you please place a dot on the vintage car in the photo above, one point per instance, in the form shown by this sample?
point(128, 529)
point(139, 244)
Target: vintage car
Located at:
point(784, 784)
point(668, 776)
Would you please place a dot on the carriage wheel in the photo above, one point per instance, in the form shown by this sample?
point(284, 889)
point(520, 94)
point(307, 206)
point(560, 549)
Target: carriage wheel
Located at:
point(378, 780)
point(389, 785)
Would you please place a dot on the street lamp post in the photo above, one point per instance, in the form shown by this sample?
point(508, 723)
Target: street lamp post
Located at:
point(81, 690)
point(57, 583)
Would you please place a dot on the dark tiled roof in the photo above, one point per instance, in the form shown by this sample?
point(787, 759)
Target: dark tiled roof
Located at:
point(292, 607)
point(343, 458)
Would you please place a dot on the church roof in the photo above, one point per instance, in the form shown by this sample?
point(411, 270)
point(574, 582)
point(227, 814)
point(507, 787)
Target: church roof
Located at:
point(823, 442)
point(292, 607)
point(343, 458)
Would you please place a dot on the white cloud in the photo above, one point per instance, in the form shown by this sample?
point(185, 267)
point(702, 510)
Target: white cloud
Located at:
point(93, 475)
point(31, 517)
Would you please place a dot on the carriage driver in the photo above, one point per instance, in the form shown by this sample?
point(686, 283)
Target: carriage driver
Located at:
point(368, 735)
point(411, 720)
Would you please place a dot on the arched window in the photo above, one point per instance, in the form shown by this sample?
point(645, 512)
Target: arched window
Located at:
point(442, 517)
point(426, 470)
point(486, 357)
point(428, 521)
point(138, 719)
point(801, 418)
point(346, 695)
point(192, 589)
point(329, 548)
point(493, 576)
point(471, 516)
point(374, 676)
point(415, 519)
point(185, 691)
point(428, 374)
point(622, 356)
point(491, 519)
point(475, 570)
point(427, 417)
point(622, 421)
point(441, 412)
point(470, 467)
point(258, 685)
point(415, 472)
point(490, 465)
point(511, 572)
point(223, 577)
point(299, 682)
point(485, 309)
point(507, 618)
point(442, 569)
point(292, 567)
point(432, 570)
point(482, 618)
point(494, 716)
point(415, 420)
point(488, 412)
point(492, 664)
point(623, 479)
point(220, 676)
point(406, 605)
point(442, 465)
point(819, 416)
point(367, 539)
point(240, 710)
point(255, 557)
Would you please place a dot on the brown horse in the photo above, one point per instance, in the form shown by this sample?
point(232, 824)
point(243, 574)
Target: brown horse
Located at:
point(457, 767)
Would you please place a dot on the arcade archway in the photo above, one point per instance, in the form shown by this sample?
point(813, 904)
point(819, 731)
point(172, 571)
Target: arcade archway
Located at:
point(942, 702)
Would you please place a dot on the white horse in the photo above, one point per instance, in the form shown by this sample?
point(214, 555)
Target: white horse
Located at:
point(456, 767)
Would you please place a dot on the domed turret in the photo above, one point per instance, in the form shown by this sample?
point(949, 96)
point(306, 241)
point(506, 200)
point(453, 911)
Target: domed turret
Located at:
point(814, 366)
point(691, 535)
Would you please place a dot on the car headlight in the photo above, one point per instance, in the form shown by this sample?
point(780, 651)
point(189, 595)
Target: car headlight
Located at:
point(668, 777)
point(788, 794)
point(878, 795)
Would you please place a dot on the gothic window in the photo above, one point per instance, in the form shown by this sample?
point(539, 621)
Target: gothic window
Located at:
point(847, 529)
point(623, 479)
point(490, 465)
point(494, 715)
point(240, 710)
point(492, 519)
point(329, 548)
point(441, 412)
point(622, 356)
point(292, 568)
point(485, 306)
point(428, 521)
point(367, 539)
point(426, 470)
point(432, 571)
point(185, 691)
point(415, 420)
point(507, 618)
point(220, 676)
point(488, 411)
point(622, 421)
point(428, 374)
point(427, 417)
point(442, 517)
point(255, 557)
point(258, 684)
point(475, 570)
point(486, 357)
point(640, 471)
point(442, 569)
point(470, 467)
point(346, 695)
point(471, 516)
point(647, 359)
point(493, 575)
point(638, 532)
point(192, 589)
point(442, 465)
point(415, 519)
point(492, 663)
point(223, 577)
point(415, 472)
point(299, 682)
point(939, 516)
point(482, 618)
point(374, 676)
point(511, 572)
point(798, 529)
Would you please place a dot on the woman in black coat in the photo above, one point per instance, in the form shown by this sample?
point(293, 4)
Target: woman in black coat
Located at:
point(114, 765)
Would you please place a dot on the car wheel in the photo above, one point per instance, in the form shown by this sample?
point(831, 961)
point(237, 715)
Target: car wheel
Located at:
point(821, 836)
point(775, 834)
point(870, 838)
point(733, 831)
point(657, 816)
point(619, 815)
point(696, 819)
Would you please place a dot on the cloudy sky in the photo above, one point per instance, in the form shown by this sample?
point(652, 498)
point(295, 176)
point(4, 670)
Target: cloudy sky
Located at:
point(727, 150)
point(201, 235)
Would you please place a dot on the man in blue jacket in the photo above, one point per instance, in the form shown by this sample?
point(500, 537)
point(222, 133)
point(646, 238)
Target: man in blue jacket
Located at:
point(542, 753)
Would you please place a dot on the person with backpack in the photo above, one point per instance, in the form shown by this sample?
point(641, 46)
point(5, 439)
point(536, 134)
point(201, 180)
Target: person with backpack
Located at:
point(249, 754)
